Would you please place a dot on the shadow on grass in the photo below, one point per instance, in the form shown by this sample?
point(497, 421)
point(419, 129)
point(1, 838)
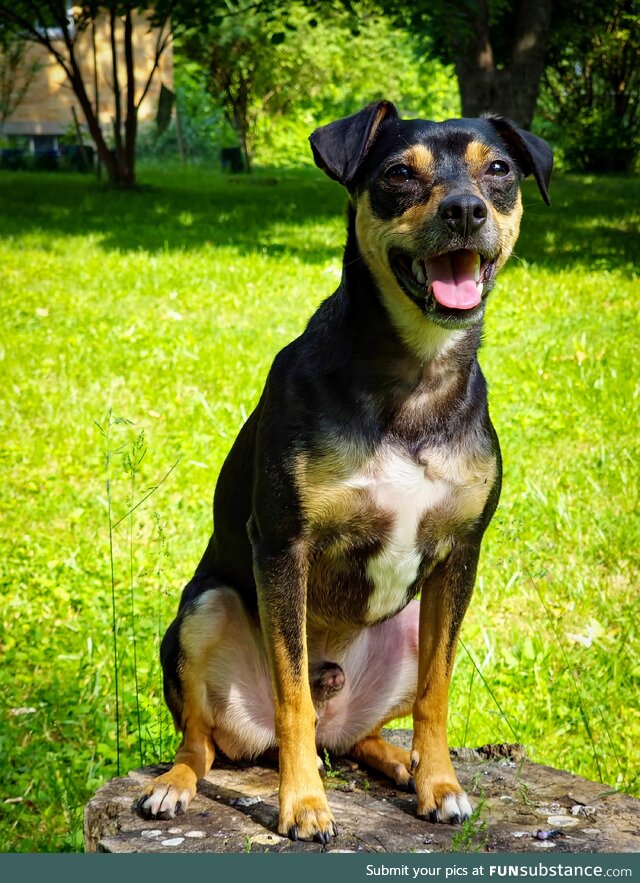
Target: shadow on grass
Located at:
point(593, 222)
point(282, 212)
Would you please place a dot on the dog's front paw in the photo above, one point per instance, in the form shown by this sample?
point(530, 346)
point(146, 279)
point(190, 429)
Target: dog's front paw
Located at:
point(440, 797)
point(307, 818)
point(444, 806)
point(167, 796)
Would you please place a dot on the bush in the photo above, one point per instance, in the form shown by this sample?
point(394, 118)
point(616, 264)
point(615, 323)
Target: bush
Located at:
point(588, 102)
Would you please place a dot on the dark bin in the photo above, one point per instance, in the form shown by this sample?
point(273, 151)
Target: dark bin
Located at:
point(13, 158)
point(72, 157)
point(231, 160)
point(46, 160)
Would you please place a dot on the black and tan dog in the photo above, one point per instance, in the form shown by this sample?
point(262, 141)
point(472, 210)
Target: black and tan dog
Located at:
point(366, 476)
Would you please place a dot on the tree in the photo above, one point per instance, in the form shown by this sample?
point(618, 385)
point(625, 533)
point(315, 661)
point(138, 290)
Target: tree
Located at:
point(249, 65)
point(498, 49)
point(280, 70)
point(39, 20)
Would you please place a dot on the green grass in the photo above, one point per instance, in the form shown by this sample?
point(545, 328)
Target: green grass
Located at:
point(167, 306)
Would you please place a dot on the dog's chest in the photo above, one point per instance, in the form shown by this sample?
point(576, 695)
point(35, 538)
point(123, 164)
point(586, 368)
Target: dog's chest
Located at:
point(382, 518)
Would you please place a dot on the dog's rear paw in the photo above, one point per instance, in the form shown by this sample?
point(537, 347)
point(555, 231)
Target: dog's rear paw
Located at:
point(309, 818)
point(450, 807)
point(164, 798)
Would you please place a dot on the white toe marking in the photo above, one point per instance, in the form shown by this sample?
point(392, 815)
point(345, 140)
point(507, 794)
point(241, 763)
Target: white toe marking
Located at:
point(448, 809)
point(454, 805)
point(465, 806)
point(154, 801)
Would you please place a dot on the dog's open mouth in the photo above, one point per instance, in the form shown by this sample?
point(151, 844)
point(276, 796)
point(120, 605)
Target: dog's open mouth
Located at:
point(456, 279)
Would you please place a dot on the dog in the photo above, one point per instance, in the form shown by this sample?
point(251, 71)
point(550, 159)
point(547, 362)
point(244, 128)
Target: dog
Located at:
point(365, 477)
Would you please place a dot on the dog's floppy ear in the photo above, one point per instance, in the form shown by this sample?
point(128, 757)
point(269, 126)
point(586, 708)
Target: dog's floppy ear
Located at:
point(339, 148)
point(533, 155)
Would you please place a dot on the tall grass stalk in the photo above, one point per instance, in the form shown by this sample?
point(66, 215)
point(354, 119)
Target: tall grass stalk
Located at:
point(106, 434)
point(563, 651)
point(132, 458)
point(131, 461)
point(489, 690)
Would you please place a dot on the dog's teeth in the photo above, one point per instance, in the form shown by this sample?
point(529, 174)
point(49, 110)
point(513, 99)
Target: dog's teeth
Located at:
point(418, 272)
point(480, 286)
point(477, 270)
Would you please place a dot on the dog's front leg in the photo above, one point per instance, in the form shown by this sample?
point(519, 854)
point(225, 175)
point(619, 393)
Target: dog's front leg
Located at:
point(281, 578)
point(444, 600)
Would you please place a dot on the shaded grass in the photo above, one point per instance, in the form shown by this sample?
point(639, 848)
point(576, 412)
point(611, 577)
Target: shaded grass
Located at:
point(168, 305)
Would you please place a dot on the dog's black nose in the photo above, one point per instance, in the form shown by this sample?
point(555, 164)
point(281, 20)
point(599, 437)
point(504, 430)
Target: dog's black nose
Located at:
point(463, 213)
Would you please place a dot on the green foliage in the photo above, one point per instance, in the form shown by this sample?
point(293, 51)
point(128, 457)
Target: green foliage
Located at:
point(589, 103)
point(167, 306)
point(278, 74)
point(203, 124)
point(349, 71)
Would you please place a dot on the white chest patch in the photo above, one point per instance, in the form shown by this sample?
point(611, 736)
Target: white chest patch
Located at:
point(400, 487)
point(451, 483)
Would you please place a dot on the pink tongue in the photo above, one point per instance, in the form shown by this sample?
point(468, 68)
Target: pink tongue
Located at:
point(452, 278)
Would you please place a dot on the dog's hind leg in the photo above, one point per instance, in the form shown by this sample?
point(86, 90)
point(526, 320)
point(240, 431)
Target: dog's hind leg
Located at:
point(395, 763)
point(388, 675)
point(217, 686)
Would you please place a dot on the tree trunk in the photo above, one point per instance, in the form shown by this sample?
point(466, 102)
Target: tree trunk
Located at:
point(131, 122)
point(521, 807)
point(119, 163)
point(513, 90)
point(104, 153)
point(245, 145)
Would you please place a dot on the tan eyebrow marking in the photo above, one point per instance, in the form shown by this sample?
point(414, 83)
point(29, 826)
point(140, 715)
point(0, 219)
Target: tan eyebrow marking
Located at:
point(420, 158)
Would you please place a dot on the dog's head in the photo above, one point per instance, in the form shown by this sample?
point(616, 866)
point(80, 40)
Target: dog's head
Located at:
point(437, 205)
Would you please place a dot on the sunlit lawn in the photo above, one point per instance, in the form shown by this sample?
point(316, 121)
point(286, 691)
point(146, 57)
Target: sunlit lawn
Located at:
point(167, 306)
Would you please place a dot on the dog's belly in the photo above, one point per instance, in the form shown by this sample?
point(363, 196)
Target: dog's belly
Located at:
point(234, 688)
point(382, 522)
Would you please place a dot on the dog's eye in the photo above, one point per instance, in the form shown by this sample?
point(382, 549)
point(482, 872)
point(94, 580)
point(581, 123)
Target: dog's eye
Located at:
point(398, 174)
point(499, 169)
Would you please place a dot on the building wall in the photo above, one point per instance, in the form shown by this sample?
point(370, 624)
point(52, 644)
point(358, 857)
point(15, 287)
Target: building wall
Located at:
point(46, 107)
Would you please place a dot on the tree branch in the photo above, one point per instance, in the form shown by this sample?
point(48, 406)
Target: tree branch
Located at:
point(35, 34)
point(162, 43)
point(117, 120)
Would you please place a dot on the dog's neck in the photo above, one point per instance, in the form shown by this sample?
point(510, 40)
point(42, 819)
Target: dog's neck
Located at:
point(399, 331)
point(354, 327)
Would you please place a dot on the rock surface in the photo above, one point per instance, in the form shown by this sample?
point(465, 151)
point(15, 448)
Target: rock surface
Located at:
point(523, 807)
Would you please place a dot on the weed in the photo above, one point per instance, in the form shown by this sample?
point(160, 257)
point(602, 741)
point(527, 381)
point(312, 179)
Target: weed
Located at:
point(329, 771)
point(108, 456)
point(523, 790)
point(472, 835)
point(335, 776)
